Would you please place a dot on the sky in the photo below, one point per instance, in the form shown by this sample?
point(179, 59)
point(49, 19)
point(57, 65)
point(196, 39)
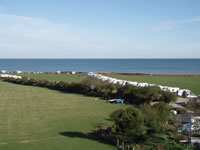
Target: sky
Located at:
point(100, 29)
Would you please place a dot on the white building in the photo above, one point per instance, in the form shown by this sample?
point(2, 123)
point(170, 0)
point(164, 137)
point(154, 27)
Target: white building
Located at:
point(142, 84)
point(58, 72)
point(10, 76)
point(188, 92)
point(173, 89)
point(176, 90)
point(3, 71)
point(192, 96)
point(19, 71)
point(164, 88)
point(134, 83)
point(115, 81)
point(73, 72)
point(152, 85)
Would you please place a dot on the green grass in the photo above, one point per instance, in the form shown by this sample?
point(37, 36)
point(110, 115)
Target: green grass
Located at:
point(165, 141)
point(33, 118)
point(56, 77)
point(188, 82)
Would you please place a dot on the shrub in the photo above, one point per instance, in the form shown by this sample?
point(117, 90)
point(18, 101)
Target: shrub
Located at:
point(95, 87)
point(167, 96)
point(128, 125)
point(137, 96)
point(163, 111)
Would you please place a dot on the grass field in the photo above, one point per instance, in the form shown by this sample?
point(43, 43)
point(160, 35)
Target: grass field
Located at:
point(33, 118)
point(188, 82)
point(56, 77)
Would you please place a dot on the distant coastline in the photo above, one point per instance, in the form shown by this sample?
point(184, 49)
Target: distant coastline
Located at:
point(154, 74)
point(121, 73)
point(126, 66)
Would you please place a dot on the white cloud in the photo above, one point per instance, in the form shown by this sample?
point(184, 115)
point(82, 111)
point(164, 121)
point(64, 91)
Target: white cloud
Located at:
point(23, 19)
point(22, 36)
point(27, 37)
point(168, 25)
point(191, 20)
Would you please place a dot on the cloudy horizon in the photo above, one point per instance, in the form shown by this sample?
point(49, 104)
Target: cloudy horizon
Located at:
point(99, 30)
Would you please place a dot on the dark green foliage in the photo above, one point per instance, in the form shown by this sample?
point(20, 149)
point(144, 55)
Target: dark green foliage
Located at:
point(151, 119)
point(146, 126)
point(163, 111)
point(149, 94)
point(167, 96)
point(24, 81)
point(129, 93)
point(61, 85)
point(128, 125)
point(95, 87)
point(155, 116)
point(137, 96)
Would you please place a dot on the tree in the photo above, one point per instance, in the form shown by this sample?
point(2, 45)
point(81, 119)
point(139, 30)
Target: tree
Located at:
point(137, 96)
point(149, 94)
point(151, 118)
point(156, 117)
point(129, 93)
point(163, 111)
point(128, 125)
point(167, 97)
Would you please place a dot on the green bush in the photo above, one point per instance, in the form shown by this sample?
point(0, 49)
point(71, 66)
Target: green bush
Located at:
point(128, 125)
point(167, 96)
point(95, 87)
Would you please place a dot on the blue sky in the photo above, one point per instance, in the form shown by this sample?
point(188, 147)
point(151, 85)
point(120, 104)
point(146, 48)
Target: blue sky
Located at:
point(100, 29)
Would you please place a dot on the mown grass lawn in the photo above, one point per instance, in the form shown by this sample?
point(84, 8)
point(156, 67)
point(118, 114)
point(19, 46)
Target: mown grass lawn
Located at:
point(56, 77)
point(188, 82)
point(33, 118)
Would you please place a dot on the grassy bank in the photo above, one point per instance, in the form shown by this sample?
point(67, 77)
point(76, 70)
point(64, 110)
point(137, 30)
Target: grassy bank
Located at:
point(56, 77)
point(188, 82)
point(38, 118)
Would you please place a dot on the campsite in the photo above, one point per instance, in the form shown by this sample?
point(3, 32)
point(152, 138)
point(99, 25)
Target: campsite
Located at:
point(56, 108)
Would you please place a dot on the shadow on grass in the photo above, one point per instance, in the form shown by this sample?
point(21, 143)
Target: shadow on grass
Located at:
point(91, 136)
point(108, 119)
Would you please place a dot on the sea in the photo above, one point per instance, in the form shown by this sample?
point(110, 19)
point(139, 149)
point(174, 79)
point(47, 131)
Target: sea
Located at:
point(146, 66)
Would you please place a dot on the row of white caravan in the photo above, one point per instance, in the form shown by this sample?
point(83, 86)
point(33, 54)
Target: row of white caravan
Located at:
point(4, 71)
point(176, 90)
point(10, 76)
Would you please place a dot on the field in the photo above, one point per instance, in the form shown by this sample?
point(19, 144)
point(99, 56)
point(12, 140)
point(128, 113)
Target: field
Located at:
point(33, 118)
point(56, 77)
point(188, 82)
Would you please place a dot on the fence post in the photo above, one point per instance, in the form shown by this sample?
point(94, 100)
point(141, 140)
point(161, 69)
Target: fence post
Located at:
point(133, 147)
point(118, 143)
point(123, 145)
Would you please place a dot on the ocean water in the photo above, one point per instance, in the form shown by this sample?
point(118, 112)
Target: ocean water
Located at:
point(161, 66)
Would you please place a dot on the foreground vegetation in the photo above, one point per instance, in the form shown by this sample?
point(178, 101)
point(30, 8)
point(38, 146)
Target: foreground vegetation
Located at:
point(95, 87)
point(146, 127)
point(184, 82)
point(34, 118)
point(139, 125)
